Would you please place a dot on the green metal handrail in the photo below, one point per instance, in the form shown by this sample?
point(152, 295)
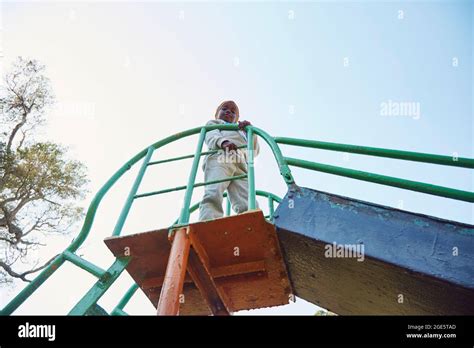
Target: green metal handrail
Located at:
point(91, 211)
point(118, 310)
point(385, 180)
point(106, 278)
point(184, 187)
point(131, 195)
point(189, 156)
point(416, 186)
point(269, 195)
point(379, 152)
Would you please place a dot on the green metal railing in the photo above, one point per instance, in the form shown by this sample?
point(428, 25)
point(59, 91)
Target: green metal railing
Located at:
point(179, 188)
point(107, 277)
point(118, 310)
point(373, 151)
point(383, 179)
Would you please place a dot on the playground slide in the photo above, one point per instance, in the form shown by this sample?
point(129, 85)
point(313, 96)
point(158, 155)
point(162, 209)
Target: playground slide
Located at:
point(355, 257)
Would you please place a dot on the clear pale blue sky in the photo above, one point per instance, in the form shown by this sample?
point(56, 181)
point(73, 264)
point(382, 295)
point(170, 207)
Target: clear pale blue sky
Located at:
point(147, 70)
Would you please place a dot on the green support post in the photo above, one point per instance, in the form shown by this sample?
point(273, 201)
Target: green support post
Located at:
point(227, 206)
point(251, 170)
point(184, 216)
point(271, 209)
point(118, 310)
point(131, 195)
point(285, 171)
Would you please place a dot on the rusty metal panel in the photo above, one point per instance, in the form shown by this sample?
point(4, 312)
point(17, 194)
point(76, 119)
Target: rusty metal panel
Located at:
point(412, 263)
point(242, 252)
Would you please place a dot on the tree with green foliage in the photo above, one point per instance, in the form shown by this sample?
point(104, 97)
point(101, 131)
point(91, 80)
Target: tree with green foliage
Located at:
point(39, 184)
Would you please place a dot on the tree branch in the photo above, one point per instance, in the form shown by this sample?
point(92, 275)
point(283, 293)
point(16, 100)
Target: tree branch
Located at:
point(14, 131)
point(23, 275)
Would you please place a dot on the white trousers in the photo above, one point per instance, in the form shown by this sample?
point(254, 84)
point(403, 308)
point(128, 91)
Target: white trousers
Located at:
point(237, 190)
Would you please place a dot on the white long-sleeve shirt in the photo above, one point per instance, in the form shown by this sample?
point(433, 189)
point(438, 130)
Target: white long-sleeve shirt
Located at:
point(216, 137)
